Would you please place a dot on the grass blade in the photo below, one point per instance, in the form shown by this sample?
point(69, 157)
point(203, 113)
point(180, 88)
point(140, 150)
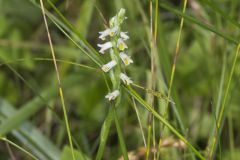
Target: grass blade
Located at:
point(201, 24)
point(59, 81)
point(71, 27)
point(27, 134)
point(17, 146)
point(165, 122)
point(220, 119)
point(85, 16)
point(31, 107)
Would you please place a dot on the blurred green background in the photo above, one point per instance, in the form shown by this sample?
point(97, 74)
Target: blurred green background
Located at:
point(30, 108)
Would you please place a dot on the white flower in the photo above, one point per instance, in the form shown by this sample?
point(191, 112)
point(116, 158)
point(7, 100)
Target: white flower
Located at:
point(105, 46)
point(121, 45)
point(126, 80)
point(113, 31)
point(104, 34)
point(124, 35)
point(112, 95)
point(109, 65)
point(125, 58)
point(108, 32)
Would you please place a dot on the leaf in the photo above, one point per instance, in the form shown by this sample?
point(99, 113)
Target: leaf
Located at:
point(27, 133)
point(32, 107)
point(199, 23)
point(85, 16)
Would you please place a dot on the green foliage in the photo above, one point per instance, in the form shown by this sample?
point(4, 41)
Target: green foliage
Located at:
point(202, 117)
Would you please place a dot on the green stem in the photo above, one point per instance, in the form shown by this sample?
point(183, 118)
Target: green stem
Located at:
point(163, 120)
point(19, 147)
point(58, 79)
point(120, 135)
point(148, 142)
point(222, 109)
point(173, 72)
point(104, 133)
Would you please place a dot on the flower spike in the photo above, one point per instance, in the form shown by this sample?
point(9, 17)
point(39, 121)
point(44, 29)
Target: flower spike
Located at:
point(116, 45)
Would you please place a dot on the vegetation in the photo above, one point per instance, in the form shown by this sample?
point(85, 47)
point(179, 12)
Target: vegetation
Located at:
point(60, 98)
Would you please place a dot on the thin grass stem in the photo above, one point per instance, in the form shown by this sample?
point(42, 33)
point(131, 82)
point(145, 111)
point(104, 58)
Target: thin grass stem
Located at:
point(139, 121)
point(173, 72)
point(19, 147)
point(163, 120)
point(59, 81)
point(222, 108)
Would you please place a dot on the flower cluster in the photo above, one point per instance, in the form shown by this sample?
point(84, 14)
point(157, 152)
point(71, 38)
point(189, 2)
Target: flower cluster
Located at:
point(117, 46)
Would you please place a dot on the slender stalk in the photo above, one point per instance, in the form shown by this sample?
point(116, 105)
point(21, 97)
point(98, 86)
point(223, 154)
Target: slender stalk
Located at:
point(50, 59)
point(218, 104)
point(173, 71)
point(222, 108)
point(154, 93)
point(104, 133)
point(89, 47)
point(148, 142)
point(163, 120)
point(156, 22)
point(200, 24)
point(231, 135)
point(59, 81)
point(19, 147)
point(70, 31)
point(75, 43)
point(120, 135)
point(10, 151)
point(153, 78)
point(175, 57)
point(139, 121)
point(219, 122)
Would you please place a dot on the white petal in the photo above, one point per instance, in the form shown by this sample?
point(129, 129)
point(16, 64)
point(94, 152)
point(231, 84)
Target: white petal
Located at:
point(121, 45)
point(109, 65)
point(105, 46)
point(124, 35)
point(125, 58)
point(113, 95)
point(104, 33)
point(126, 80)
point(108, 32)
point(113, 31)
